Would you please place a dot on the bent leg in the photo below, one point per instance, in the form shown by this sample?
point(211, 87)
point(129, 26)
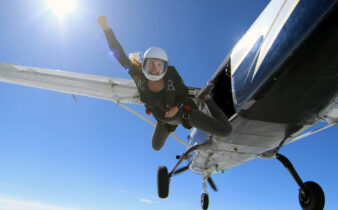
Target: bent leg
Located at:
point(215, 111)
point(161, 133)
point(209, 124)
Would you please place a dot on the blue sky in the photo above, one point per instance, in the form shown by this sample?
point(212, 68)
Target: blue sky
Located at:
point(92, 154)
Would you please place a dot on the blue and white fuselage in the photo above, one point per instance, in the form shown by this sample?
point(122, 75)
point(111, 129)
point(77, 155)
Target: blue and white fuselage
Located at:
point(264, 68)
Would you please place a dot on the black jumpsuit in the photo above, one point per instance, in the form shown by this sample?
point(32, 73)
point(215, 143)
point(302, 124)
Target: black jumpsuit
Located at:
point(173, 94)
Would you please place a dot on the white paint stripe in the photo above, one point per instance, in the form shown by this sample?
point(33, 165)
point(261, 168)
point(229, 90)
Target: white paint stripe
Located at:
point(264, 26)
point(259, 28)
point(288, 7)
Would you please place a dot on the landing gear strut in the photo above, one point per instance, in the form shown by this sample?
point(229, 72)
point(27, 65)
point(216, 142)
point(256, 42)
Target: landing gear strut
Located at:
point(163, 178)
point(311, 195)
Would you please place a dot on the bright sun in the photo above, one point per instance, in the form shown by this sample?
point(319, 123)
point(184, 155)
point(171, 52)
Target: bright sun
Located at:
point(61, 7)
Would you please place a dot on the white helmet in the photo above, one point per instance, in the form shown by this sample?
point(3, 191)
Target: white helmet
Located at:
point(155, 53)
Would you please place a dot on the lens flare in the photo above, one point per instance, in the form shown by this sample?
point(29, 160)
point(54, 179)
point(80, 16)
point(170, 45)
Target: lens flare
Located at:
point(61, 7)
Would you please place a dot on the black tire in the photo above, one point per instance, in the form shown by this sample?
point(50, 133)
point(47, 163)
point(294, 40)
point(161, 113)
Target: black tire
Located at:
point(162, 182)
point(204, 201)
point(315, 199)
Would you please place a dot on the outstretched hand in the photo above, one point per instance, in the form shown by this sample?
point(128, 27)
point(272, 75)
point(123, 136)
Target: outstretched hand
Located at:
point(102, 20)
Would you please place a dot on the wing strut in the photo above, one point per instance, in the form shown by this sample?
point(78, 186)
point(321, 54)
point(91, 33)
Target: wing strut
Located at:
point(150, 122)
point(312, 132)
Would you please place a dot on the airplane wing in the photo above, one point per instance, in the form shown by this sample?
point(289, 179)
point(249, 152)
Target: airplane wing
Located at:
point(117, 90)
point(113, 89)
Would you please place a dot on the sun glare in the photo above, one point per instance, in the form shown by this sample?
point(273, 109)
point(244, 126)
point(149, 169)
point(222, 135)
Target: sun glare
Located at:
point(61, 7)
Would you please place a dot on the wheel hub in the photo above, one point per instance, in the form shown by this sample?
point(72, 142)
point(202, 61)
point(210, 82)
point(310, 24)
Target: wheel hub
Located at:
point(304, 196)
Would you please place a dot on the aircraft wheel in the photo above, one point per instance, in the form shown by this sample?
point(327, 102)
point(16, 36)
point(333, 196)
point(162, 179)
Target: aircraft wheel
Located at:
point(204, 201)
point(162, 182)
point(312, 197)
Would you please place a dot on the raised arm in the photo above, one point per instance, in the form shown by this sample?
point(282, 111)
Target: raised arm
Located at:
point(114, 46)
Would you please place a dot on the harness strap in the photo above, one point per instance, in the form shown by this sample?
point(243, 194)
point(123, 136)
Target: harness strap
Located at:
point(147, 111)
point(186, 116)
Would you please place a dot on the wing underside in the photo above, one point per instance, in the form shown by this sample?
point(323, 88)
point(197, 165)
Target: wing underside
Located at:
point(113, 89)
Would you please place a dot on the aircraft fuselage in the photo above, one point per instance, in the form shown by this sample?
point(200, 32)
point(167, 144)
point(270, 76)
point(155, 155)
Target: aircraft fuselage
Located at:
point(278, 80)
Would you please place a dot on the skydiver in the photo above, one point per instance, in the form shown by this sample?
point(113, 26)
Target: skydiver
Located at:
point(164, 94)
